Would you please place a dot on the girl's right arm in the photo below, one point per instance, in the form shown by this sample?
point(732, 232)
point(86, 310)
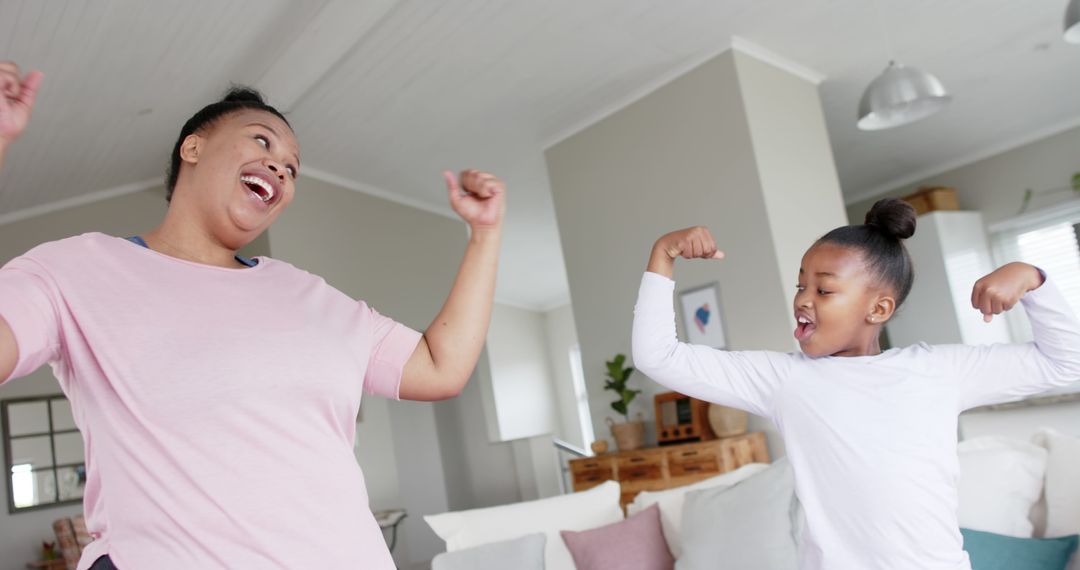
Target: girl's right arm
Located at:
point(745, 380)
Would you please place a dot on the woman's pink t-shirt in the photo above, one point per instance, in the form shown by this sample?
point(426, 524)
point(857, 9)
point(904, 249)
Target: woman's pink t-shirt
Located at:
point(218, 406)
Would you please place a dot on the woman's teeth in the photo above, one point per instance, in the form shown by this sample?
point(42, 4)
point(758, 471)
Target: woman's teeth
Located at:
point(263, 189)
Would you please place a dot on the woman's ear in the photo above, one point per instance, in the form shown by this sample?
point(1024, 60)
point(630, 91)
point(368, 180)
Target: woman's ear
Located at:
point(882, 310)
point(189, 150)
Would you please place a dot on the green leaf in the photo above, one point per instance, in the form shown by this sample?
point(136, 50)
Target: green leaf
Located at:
point(1076, 182)
point(619, 407)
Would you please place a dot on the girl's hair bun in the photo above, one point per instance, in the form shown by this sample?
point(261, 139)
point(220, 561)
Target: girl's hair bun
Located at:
point(892, 217)
point(245, 94)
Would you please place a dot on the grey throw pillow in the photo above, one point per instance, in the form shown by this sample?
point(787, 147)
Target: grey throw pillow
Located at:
point(751, 526)
point(525, 553)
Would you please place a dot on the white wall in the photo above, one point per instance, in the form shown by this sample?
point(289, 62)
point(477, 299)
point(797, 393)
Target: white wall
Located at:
point(521, 379)
point(531, 395)
point(561, 336)
point(478, 473)
point(994, 186)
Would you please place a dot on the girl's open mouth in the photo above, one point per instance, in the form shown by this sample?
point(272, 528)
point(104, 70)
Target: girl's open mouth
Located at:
point(804, 329)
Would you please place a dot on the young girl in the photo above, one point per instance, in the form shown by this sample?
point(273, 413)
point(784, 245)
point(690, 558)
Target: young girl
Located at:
point(871, 435)
point(217, 395)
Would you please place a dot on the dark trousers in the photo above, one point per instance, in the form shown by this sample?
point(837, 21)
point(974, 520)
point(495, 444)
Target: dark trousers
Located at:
point(103, 563)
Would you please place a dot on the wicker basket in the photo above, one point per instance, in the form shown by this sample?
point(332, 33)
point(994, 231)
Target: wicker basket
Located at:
point(932, 199)
point(628, 435)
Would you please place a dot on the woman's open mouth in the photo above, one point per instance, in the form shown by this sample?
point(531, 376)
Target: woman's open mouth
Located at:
point(263, 189)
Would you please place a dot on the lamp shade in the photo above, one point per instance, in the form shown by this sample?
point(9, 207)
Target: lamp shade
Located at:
point(900, 95)
point(1072, 22)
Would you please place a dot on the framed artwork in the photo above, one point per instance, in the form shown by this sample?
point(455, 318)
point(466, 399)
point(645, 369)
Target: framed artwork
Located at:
point(701, 316)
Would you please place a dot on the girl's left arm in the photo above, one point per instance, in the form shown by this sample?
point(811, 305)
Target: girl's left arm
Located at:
point(445, 358)
point(1006, 372)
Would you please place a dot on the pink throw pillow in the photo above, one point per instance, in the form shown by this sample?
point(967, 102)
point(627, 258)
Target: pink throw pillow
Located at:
point(631, 544)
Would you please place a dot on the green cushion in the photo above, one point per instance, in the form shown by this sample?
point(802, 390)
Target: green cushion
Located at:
point(989, 551)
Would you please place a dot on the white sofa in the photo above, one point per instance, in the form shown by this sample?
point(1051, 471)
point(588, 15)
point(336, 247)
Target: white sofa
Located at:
point(1008, 486)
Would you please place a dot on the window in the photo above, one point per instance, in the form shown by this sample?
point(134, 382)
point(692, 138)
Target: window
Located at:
point(44, 453)
point(581, 396)
point(1048, 241)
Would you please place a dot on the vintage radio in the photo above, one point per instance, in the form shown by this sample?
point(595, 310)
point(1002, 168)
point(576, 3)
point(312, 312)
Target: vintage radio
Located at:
point(680, 418)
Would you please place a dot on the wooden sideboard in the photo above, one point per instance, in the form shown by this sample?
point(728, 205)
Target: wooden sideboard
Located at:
point(658, 468)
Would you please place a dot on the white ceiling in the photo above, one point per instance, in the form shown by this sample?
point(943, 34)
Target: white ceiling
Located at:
point(384, 94)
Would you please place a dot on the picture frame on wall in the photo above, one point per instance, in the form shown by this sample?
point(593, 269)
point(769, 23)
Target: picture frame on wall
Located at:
point(702, 318)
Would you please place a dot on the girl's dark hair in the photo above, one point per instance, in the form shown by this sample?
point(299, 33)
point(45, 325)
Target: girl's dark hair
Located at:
point(237, 98)
point(879, 240)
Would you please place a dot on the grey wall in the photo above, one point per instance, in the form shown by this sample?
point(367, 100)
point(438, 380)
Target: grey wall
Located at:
point(692, 153)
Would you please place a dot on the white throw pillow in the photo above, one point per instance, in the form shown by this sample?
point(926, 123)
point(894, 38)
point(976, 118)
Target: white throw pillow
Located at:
point(578, 511)
point(1062, 482)
point(1000, 479)
point(1062, 485)
point(671, 501)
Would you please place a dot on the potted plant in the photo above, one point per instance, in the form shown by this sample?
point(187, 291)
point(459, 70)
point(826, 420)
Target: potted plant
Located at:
point(628, 435)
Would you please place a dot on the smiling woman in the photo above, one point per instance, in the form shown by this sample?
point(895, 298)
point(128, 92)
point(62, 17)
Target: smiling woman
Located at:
point(210, 387)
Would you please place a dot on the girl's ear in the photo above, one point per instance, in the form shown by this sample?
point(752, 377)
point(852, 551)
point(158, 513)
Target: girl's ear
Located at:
point(189, 150)
point(882, 310)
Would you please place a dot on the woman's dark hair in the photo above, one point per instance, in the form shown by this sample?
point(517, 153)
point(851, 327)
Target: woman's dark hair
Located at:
point(879, 241)
point(237, 98)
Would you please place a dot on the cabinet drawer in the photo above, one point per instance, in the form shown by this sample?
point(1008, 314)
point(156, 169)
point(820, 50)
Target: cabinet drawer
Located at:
point(592, 471)
point(694, 461)
point(641, 466)
point(592, 464)
point(587, 479)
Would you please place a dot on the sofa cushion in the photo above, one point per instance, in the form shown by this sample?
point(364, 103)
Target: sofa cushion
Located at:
point(524, 553)
point(1062, 482)
point(752, 524)
point(670, 501)
point(637, 542)
point(578, 511)
point(1000, 480)
point(1062, 493)
point(991, 551)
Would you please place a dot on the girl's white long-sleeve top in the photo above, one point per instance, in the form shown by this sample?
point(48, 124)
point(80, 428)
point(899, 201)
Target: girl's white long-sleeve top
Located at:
point(872, 439)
